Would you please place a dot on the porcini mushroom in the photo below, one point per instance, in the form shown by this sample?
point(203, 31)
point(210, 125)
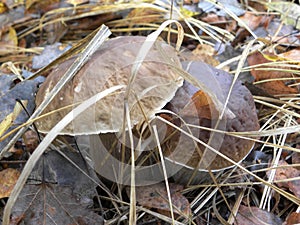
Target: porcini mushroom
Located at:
point(240, 103)
point(154, 86)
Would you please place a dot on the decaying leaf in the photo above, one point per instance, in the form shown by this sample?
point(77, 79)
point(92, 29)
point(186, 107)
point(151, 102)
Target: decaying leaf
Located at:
point(52, 204)
point(156, 197)
point(287, 172)
point(57, 192)
point(9, 94)
point(253, 215)
point(275, 86)
point(55, 168)
point(8, 179)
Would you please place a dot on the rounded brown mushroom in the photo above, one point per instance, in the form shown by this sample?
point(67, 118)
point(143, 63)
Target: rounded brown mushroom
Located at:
point(240, 103)
point(154, 85)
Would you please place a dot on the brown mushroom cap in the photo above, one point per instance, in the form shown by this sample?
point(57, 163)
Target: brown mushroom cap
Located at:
point(154, 86)
point(241, 104)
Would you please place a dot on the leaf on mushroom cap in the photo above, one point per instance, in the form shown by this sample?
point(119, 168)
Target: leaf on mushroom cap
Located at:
point(154, 85)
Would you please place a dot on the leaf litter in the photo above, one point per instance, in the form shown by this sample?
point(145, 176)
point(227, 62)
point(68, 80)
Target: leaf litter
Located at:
point(28, 28)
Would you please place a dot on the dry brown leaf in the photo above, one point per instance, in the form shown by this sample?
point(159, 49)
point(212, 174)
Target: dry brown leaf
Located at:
point(8, 179)
point(155, 196)
point(253, 215)
point(213, 18)
point(274, 87)
point(253, 21)
point(205, 53)
point(293, 218)
point(286, 173)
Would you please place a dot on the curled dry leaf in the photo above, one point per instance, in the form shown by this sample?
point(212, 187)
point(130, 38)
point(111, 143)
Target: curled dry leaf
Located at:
point(8, 179)
point(156, 197)
point(274, 87)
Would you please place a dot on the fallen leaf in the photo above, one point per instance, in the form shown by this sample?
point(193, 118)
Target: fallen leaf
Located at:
point(52, 204)
point(253, 215)
point(9, 93)
point(253, 21)
point(293, 218)
point(8, 179)
point(201, 103)
point(204, 53)
point(31, 140)
point(57, 192)
point(292, 55)
point(285, 171)
point(273, 87)
point(156, 196)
